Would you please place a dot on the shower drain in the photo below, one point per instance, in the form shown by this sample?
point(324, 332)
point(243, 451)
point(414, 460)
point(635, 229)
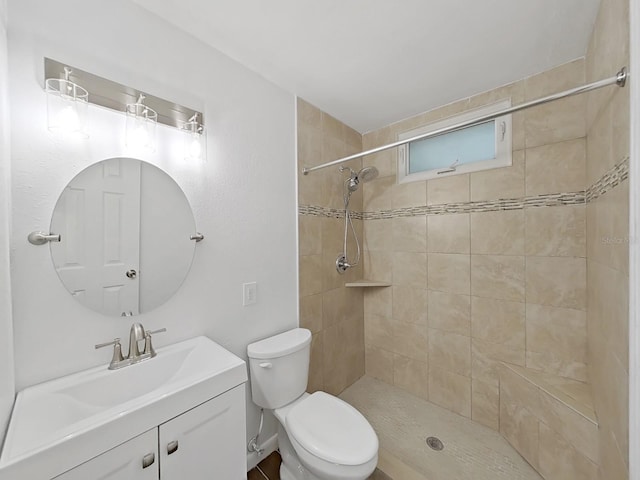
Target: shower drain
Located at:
point(435, 443)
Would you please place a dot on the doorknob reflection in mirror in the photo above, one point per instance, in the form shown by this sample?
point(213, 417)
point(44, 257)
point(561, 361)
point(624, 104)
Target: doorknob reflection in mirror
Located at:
point(40, 238)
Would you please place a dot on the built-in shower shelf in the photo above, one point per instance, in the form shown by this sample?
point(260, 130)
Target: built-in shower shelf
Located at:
point(367, 283)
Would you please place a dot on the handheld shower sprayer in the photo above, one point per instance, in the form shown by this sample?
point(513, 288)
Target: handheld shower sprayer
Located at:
point(351, 184)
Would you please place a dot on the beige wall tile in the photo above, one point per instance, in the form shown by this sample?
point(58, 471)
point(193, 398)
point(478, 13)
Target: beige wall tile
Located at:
point(409, 305)
point(562, 77)
point(449, 273)
point(620, 142)
point(379, 363)
point(310, 274)
point(310, 235)
point(485, 404)
point(335, 348)
point(498, 233)
point(498, 276)
point(332, 127)
point(556, 231)
point(497, 183)
point(555, 168)
point(333, 306)
point(332, 236)
point(559, 460)
point(385, 162)
point(450, 351)
point(513, 91)
point(450, 390)
point(378, 194)
point(557, 341)
point(331, 279)
point(498, 321)
point(311, 312)
point(557, 281)
point(378, 301)
point(450, 312)
point(310, 153)
point(519, 390)
point(487, 358)
point(316, 367)
point(599, 146)
point(378, 331)
point(413, 194)
point(409, 234)
point(410, 340)
point(448, 190)
point(573, 427)
point(411, 375)
point(613, 462)
point(410, 269)
point(555, 122)
point(448, 233)
point(308, 114)
point(378, 265)
point(519, 426)
point(378, 235)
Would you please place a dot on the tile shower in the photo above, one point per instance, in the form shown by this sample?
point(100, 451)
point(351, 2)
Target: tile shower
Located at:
point(524, 265)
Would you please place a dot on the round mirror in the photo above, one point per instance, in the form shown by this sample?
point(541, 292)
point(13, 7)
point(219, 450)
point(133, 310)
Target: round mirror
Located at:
point(125, 245)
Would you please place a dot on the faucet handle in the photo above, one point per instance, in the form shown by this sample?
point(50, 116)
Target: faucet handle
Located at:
point(117, 352)
point(148, 347)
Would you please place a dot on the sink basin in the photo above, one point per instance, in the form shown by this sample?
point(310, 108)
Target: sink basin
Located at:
point(58, 424)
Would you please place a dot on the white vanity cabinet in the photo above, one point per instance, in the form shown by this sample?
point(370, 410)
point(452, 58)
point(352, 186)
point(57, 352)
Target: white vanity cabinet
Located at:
point(205, 442)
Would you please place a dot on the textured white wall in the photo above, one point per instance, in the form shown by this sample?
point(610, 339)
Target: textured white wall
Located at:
point(243, 196)
point(6, 335)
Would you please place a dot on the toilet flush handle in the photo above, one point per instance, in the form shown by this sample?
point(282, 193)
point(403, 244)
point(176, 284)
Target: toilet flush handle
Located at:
point(266, 365)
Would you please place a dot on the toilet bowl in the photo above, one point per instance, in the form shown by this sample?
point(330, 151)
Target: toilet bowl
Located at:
point(320, 437)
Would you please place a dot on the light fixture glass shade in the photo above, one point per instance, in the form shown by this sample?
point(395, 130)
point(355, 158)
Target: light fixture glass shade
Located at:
point(141, 126)
point(194, 139)
point(67, 107)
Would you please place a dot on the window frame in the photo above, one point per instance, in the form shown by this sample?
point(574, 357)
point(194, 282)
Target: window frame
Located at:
point(503, 145)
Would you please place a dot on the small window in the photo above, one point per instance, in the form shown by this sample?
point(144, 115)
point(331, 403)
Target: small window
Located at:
point(470, 149)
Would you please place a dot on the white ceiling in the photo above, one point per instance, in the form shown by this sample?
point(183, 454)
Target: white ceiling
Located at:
point(370, 63)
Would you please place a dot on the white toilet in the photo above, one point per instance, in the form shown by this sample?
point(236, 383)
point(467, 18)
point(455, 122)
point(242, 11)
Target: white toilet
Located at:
point(320, 437)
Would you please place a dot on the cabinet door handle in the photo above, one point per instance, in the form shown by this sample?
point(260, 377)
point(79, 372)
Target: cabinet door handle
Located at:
point(172, 447)
point(148, 460)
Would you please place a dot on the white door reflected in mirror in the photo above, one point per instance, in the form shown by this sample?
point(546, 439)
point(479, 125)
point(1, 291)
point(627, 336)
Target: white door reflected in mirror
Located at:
point(116, 217)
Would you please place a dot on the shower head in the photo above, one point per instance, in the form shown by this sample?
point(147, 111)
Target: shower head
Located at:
point(365, 174)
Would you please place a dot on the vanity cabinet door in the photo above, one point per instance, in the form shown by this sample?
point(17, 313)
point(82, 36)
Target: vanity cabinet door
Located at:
point(124, 462)
point(207, 442)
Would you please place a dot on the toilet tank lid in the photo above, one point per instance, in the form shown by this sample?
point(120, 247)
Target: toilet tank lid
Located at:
point(280, 345)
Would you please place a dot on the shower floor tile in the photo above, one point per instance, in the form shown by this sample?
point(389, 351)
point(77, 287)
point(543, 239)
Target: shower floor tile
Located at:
point(404, 421)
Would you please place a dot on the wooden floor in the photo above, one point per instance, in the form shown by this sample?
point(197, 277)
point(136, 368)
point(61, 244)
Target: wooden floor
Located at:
point(269, 469)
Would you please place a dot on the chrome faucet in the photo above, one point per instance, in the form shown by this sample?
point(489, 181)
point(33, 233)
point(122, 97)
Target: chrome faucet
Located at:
point(136, 335)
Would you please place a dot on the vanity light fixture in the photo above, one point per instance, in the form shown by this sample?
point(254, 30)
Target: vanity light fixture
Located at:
point(141, 125)
point(194, 139)
point(143, 111)
point(67, 106)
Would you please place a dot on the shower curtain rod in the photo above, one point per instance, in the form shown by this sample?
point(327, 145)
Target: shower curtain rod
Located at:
point(619, 80)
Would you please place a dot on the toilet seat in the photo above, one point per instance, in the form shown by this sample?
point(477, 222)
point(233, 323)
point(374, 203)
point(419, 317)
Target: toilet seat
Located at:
point(331, 430)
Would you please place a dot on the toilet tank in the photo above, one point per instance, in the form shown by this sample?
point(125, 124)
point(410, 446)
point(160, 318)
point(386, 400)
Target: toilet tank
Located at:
point(279, 368)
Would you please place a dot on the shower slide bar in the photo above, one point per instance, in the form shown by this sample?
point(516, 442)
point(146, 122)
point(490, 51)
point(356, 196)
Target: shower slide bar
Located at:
point(619, 79)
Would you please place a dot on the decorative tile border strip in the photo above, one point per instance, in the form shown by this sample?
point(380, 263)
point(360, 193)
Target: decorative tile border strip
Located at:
point(607, 182)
